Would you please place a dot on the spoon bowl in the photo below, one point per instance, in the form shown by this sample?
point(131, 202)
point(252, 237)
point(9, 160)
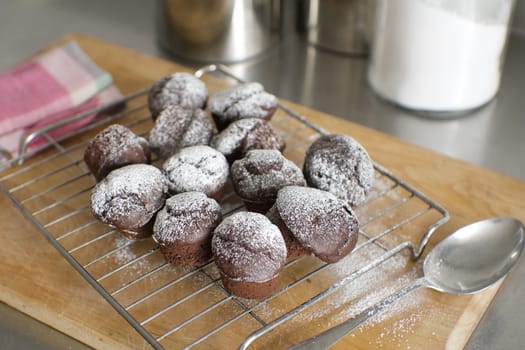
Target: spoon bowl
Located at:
point(475, 256)
point(469, 260)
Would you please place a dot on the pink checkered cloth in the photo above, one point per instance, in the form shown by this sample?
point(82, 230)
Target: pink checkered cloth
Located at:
point(56, 85)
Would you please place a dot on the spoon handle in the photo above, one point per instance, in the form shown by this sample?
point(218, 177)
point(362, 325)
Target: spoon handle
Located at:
point(332, 335)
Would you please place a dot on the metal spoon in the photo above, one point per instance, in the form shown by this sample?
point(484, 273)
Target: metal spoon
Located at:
point(468, 261)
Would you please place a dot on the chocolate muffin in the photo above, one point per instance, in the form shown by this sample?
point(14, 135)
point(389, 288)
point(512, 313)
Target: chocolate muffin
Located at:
point(258, 177)
point(293, 247)
point(183, 89)
point(115, 147)
point(197, 168)
point(177, 127)
point(315, 222)
point(340, 165)
point(248, 100)
point(183, 228)
point(244, 135)
point(250, 254)
point(128, 199)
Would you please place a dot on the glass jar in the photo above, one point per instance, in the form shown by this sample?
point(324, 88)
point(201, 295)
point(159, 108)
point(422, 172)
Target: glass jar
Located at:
point(439, 56)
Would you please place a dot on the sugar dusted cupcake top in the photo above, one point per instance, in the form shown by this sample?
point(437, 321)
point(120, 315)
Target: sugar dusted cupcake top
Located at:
point(340, 165)
point(197, 168)
point(248, 247)
point(248, 100)
point(319, 221)
point(183, 89)
point(115, 147)
point(261, 173)
point(129, 197)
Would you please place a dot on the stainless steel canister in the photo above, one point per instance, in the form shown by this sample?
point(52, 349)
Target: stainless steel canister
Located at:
point(218, 30)
point(338, 25)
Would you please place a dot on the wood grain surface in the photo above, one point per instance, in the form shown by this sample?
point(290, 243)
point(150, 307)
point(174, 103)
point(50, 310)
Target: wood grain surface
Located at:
point(37, 280)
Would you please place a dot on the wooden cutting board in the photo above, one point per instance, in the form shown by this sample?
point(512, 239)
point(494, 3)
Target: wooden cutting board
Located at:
point(37, 280)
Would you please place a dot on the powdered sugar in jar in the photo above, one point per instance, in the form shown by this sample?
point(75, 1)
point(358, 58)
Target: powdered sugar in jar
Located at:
point(439, 55)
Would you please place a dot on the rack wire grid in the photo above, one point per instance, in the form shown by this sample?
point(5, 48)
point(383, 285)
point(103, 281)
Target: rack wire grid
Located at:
point(174, 307)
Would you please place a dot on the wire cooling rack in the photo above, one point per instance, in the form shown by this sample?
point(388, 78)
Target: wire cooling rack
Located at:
point(176, 308)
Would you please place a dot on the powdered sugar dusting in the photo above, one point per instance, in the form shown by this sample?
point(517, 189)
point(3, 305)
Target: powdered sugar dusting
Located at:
point(248, 100)
point(230, 139)
point(113, 147)
point(186, 217)
point(340, 165)
point(132, 261)
point(374, 287)
point(129, 197)
point(368, 290)
point(115, 140)
point(263, 136)
point(178, 127)
point(224, 98)
point(248, 247)
point(261, 173)
point(180, 88)
point(254, 106)
point(199, 131)
point(246, 134)
point(124, 254)
point(318, 220)
point(197, 168)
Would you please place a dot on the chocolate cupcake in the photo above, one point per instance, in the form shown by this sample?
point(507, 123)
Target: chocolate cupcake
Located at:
point(197, 168)
point(183, 89)
point(128, 199)
point(248, 100)
point(340, 165)
point(315, 222)
point(244, 135)
point(250, 254)
point(115, 147)
point(183, 228)
point(258, 177)
point(177, 127)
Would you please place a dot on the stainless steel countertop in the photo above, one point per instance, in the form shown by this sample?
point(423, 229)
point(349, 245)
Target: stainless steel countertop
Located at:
point(491, 136)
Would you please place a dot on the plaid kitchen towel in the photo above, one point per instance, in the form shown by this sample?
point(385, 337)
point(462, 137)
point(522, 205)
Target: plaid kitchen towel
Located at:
point(56, 85)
